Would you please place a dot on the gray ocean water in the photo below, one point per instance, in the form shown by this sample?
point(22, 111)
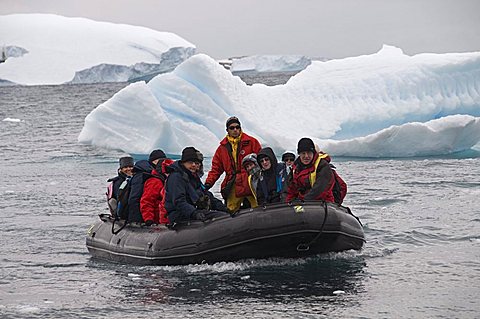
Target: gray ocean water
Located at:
point(421, 220)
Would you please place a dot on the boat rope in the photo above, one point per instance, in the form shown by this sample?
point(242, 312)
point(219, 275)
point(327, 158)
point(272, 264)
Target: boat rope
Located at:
point(306, 247)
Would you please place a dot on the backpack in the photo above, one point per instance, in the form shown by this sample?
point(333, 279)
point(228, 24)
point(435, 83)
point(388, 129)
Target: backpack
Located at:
point(118, 206)
point(339, 188)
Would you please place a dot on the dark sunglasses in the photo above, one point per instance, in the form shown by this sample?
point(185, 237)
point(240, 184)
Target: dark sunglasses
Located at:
point(235, 127)
point(290, 159)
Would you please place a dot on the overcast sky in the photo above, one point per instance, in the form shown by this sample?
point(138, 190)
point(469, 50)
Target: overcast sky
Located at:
point(316, 28)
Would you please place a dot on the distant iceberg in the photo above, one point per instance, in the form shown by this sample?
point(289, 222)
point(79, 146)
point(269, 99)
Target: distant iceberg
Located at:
point(51, 49)
point(365, 106)
point(270, 63)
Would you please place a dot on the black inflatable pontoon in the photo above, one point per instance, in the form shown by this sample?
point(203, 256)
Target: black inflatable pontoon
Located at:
point(279, 230)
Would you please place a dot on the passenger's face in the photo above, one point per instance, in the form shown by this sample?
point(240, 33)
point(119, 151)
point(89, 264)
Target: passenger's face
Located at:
point(289, 161)
point(234, 130)
point(265, 163)
point(249, 166)
point(127, 170)
point(306, 157)
point(192, 166)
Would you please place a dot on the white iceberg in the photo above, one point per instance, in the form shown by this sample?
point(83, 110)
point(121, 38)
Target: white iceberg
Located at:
point(270, 63)
point(51, 49)
point(345, 99)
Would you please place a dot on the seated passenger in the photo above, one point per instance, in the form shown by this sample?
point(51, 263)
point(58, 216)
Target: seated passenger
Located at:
point(125, 172)
point(271, 186)
point(313, 178)
point(153, 198)
point(250, 164)
point(141, 173)
point(185, 195)
point(288, 158)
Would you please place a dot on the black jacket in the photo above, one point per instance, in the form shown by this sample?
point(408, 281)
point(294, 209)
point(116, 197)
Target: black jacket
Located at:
point(271, 187)
point(141, 172)
point(183, 191)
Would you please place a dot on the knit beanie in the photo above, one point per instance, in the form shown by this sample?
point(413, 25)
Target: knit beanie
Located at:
point(305, 145)
point(125, 161)
point(190, 154)
point(233, 119)
point(156, 154)
point(287, 155)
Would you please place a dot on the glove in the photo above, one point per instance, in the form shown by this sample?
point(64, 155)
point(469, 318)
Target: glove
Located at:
point(203, 202)
point(207, 186)
point(199, 214)
point(149, 222)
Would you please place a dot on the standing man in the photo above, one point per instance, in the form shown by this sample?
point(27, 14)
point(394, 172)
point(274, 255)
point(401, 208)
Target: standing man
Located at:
point(228, 158)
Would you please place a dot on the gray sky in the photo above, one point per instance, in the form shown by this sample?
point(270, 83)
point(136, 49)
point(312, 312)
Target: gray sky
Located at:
point(316, 28)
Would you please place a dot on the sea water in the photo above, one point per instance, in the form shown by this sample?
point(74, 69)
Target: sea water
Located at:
point(421, 220)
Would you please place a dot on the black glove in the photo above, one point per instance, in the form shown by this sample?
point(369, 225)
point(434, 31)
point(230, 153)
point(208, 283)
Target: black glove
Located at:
point(207, 186)
point(149, 222)
point(203, 202)
point(200, 214)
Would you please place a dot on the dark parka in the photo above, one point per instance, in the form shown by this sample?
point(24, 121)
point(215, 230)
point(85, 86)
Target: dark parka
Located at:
point(271, 187)
point(182, 193)
point(141, 172)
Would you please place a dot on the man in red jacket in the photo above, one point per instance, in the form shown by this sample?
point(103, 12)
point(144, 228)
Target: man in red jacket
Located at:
point(313, 178)
point(228, 158)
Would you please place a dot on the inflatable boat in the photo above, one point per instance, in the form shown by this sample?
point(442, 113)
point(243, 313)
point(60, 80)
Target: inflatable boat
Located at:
point(279, 230)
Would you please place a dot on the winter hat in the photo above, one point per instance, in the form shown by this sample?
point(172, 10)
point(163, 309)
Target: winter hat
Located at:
point(305, 145)
point(286, 155)
point(233, 119)
point(156, 154)
point(125, 161)
point(250, 158)
point(190, 154)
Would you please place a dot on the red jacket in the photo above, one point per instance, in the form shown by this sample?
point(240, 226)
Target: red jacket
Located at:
point(223, 162)
point(301, 187)
point(153, 198)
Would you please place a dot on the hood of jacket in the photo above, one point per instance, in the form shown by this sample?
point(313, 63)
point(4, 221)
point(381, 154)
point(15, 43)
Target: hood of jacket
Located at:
point(142, 166)
point(268, 152)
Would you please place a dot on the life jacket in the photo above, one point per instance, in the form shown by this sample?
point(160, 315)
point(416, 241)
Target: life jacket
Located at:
point(339, 188)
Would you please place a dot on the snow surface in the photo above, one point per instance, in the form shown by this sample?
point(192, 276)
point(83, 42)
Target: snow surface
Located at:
point(270, 63)
point(51, 49)
point(385, 104)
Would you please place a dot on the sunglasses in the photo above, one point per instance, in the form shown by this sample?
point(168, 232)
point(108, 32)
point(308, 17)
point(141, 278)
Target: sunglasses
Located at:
point(264, 159)
point(289, 160)
point(235, 127)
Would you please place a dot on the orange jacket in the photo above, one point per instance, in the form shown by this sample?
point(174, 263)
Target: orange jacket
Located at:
point(223, 162)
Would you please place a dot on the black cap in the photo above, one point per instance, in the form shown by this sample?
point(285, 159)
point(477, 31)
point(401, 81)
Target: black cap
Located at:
point(305, 145)
point(287, 155)
point(156, 154)
point(233, 119)
point(125, 161)
point(190, 154)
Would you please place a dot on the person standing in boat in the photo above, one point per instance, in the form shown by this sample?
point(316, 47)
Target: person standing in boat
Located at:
point(313, 178)
point(152, 202)
point(271, 187)
point(185, 196)
point(228, 159)
point(114, 194)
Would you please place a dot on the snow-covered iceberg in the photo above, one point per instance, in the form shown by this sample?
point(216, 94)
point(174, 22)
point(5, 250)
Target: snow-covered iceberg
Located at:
point(348, 106)
point(270, 63)
point(52, 49)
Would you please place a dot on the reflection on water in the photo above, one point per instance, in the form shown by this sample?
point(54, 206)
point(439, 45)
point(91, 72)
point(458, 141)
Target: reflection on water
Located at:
point(272, 280)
